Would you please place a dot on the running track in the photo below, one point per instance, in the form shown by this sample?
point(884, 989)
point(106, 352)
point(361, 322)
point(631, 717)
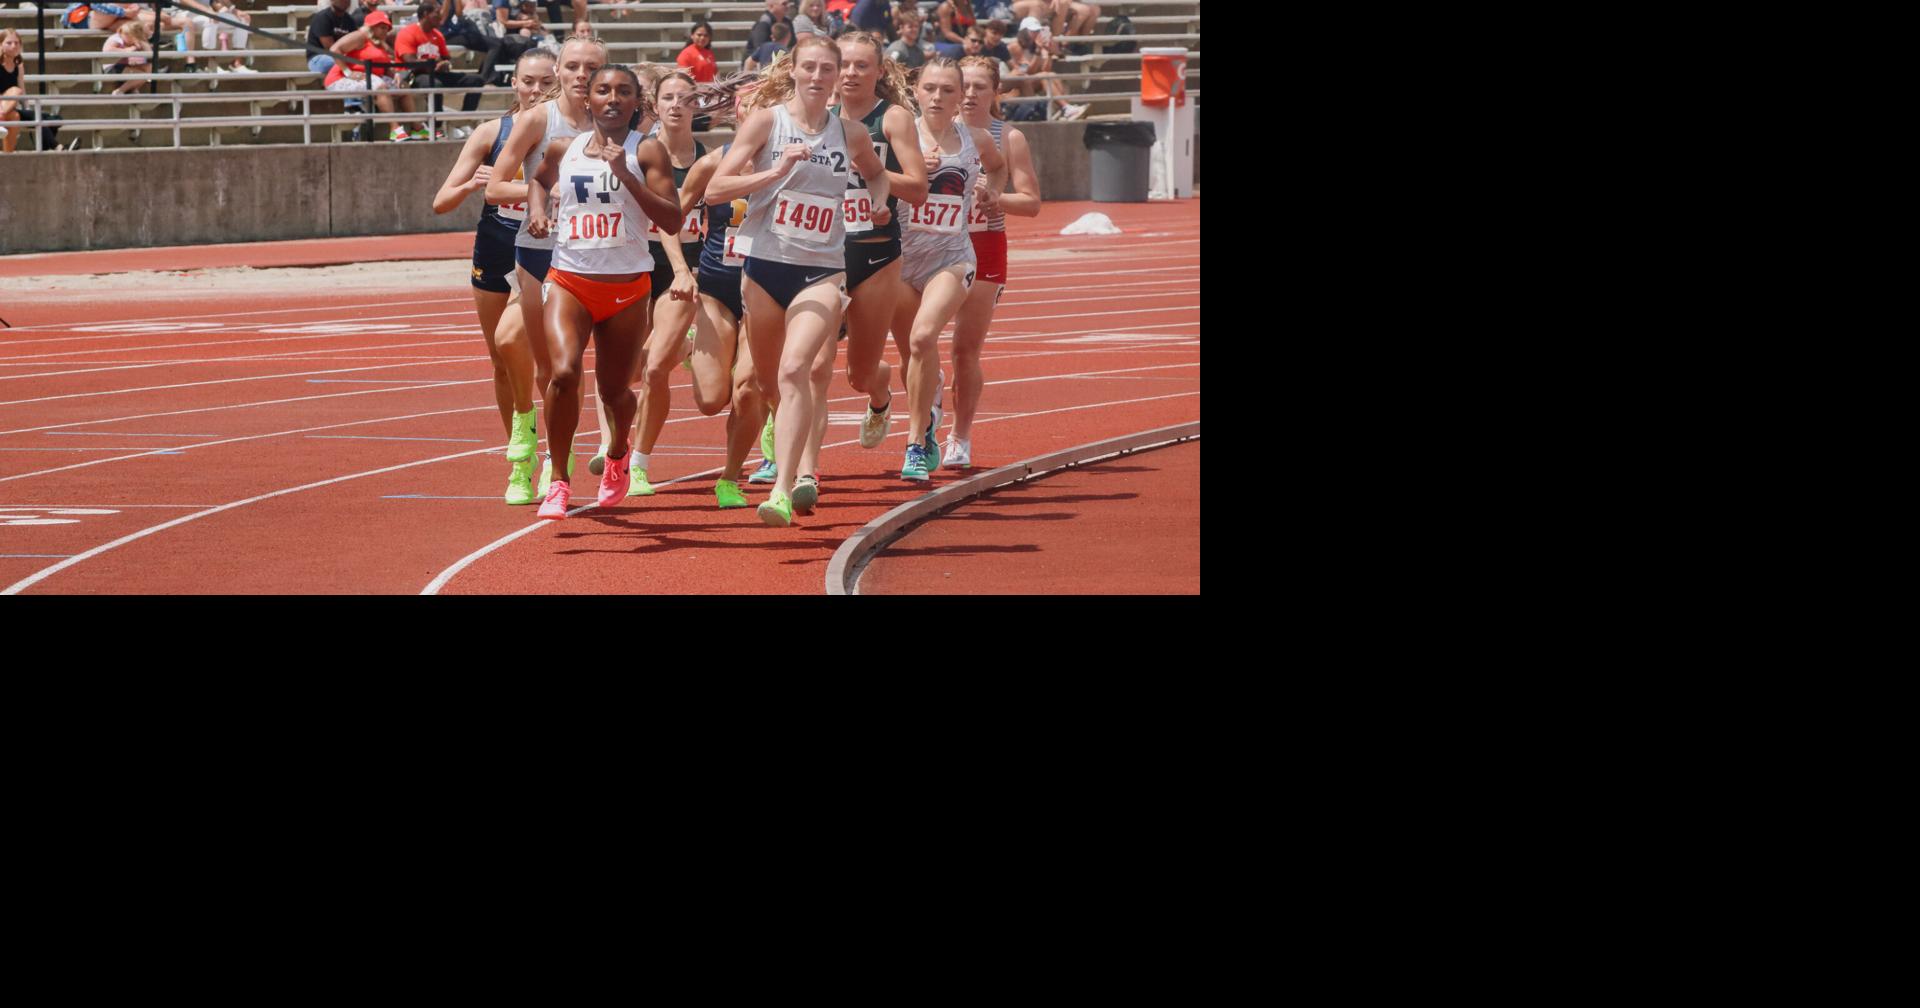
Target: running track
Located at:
point(182, 445)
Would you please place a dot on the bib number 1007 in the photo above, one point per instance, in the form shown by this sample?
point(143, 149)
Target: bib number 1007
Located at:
point(591, 230)
point(805, 217)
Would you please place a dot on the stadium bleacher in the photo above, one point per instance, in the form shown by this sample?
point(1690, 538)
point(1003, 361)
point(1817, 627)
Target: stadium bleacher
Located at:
point(283, 101)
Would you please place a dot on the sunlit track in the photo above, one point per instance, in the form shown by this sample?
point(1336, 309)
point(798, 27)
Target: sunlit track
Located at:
point(385, 487)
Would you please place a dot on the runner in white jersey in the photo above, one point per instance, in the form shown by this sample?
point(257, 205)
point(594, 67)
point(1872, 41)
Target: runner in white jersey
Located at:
point(791, 158)
point(493, 269)
point(935, 253)
point(980, 83)
point(610, 185)
point(566, 117)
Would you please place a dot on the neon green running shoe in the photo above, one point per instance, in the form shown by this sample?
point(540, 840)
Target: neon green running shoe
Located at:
point(777, 511)
point(637, 485)
point(729, 495)
point(520, 483)
point(766, 439)
point(523, 440)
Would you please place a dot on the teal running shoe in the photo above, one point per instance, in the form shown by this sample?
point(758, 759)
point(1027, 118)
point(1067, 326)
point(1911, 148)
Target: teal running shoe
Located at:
point(915, 468)
point(764, 474)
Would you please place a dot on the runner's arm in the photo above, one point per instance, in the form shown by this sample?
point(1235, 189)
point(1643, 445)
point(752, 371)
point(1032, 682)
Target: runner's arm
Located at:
point(1024, 200)
point(468, 174)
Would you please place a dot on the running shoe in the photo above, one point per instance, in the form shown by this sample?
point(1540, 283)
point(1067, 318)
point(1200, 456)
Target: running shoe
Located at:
point(597, 464)
point(613, 485)
point(727, 492)
point(958, 454)
point(777, 511)
point(520, 446)
point(766, 439)
point(764, 474)
point(915, 468)
point(874, 426)
point(397, 135)
point(546, 472)
point(806, 490)
point(639, 487)
point(520, 483)
point(555, 507)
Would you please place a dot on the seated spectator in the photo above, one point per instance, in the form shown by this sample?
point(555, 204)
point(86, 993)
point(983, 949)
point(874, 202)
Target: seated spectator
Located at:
point(698, 56)
point(1061, 17)
point(812, 20)
point(129, 38)
point(222, 36)
point(976, 42)
point(908, 50)
point(332, 23)
point(514, 26)
point(12, 65)
point(997, 10)
point(372, 42)
point(423, 44)
point(995, 43)
point(766, 54)
point(762, 31)
point(952, 20)
point(1030, 57)
point(105, 16)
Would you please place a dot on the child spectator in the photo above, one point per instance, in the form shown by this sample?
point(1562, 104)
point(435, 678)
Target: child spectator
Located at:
point(908, 50)
point(995, 43)
point(766, 54)
point(129, 38)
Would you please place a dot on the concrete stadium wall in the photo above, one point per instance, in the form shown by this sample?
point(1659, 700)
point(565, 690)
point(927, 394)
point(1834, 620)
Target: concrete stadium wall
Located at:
point(59, 202)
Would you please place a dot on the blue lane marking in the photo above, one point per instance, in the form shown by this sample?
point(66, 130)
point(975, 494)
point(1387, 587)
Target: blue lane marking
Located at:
point(370, 437)
point(495, 497)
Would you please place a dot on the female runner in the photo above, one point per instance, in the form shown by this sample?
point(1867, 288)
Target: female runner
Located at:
point(566, 117)
point(873, 91)
point(598, 278)
point(980, 84)
point(505, 332)
point(935, 254)
point(794, 237)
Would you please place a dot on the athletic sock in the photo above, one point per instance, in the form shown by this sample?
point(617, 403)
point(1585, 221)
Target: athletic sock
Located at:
point(640, 458)
point(882, 408)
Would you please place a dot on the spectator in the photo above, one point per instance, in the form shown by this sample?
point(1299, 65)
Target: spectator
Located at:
point(908, 50)
point(373, 41)
point(12, 65)
point(104, 16)
point(1061, 17)
point(1030, 57)
point(766, 54)
point(997, 10)
point(811, 21)
point(763, 29)
point(995, 44)
point(952, 20)
point(515, 28)
point(129, 38)
point(698, 57)
point(976, 42)
point(423, 44)
point(223, 36)
point(872, 16)
point(330, 25)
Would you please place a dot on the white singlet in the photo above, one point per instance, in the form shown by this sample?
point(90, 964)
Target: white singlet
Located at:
point(557, 129)
point(598, 226)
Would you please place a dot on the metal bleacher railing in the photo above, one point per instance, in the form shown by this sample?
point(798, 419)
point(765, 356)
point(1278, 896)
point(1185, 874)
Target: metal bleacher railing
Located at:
point(235, 102)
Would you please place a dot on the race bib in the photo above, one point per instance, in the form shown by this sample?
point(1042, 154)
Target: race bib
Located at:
point(516, 212)
point(804, 217)
point(738, 248)
point(977, 221)
point(939, 214)
point(693, 229)
point(857, 210)
point(586, 228)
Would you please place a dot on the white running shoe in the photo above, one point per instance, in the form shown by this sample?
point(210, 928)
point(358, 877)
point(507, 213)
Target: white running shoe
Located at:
point(958, 454)
point(875, 426)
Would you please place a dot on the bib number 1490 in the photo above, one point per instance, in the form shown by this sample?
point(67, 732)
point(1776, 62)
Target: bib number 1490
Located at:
point(805, 217)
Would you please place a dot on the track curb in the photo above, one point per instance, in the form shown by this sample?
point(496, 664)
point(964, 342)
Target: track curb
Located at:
point(851, 559)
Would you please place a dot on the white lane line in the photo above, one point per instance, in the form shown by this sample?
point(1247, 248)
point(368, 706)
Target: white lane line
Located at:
point(213, 409)
point(214, 381)
point(185, 507)
point(1018, 276)
point(1130, 311)
point(372, 437)
point(440, 581)
point(120, 434)
point(56, 326)
point(285, 338)
point(1108, 297)
point(137, 365)
point(38, 576)
point(152, 451)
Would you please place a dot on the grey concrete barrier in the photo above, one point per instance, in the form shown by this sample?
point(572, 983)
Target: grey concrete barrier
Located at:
point(146, 197)
point(843, 571)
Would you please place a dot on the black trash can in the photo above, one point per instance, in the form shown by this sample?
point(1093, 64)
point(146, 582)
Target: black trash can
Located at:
point(1122, 152)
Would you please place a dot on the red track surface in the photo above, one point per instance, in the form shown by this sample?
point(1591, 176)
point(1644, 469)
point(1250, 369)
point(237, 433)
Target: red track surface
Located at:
point(369, 460)
point(1130, 526)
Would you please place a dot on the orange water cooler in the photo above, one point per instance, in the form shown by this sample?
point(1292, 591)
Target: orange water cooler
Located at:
point(1163, 102)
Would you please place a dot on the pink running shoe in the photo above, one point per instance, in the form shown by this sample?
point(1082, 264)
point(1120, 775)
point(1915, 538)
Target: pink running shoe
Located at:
point(613, 480)
point(558, 496)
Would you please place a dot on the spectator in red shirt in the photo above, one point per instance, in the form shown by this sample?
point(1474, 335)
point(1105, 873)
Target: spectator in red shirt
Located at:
point(372, 41)
point(421, 43)
point(698, 57)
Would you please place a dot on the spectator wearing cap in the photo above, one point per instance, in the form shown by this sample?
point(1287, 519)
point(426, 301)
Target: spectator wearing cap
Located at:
point(872, 16)
point(909, 50)
point(762, 31)
point(698, 57)
point(330, 25)
point(1060, 17)
point(766, 54)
